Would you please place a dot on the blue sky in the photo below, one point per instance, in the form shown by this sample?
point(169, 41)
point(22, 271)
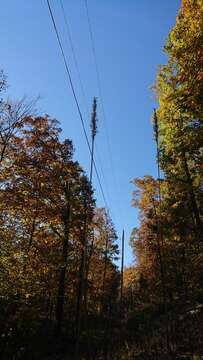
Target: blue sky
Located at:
point(129, 37)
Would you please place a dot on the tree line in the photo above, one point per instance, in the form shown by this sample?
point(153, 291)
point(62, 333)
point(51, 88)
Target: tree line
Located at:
point(164, 288)
point(58, 250)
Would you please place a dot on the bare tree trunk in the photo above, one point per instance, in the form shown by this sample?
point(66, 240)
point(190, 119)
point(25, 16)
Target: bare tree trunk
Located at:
point(105, 265)
point(160, 243)
point(192, 194)
point(122, 264)
point(89, 256)
point(194, 205)
point(81, 285)
point(94, 131)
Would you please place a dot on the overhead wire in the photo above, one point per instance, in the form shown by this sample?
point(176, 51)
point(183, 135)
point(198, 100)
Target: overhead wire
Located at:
point(73, 53)
point(81, 84)
point(99, 83)
point(101, 97)
point(75, 97)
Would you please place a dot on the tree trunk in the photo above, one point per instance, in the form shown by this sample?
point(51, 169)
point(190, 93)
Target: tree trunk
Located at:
point(61, 287)
point(192, 194)
point(122, 264)
point(81, 285)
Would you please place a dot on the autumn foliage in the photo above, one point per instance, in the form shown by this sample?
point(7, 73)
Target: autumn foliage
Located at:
point(167, 282)
point(50, 227)
point(60, 287)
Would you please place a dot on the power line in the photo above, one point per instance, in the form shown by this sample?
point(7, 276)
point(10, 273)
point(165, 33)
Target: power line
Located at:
point(100, 93)
point(98, 81)
point(75, 97)
point(73, 52)
point(81, 85)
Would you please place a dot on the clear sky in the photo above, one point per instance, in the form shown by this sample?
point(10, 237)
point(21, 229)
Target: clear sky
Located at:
point(129, 37)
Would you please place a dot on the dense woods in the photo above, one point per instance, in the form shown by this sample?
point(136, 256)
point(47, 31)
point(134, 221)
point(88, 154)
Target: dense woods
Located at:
point(62, 295)
point(164, 289)
point(57, 248)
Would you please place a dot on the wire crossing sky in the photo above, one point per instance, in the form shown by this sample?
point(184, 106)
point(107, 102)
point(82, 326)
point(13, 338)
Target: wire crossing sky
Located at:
point(75, 97)
point(128, 38)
